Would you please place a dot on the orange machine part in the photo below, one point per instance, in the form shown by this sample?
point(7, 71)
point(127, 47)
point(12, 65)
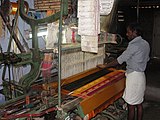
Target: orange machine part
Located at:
point(14, 7)
point(96, 100)
point(100, 93)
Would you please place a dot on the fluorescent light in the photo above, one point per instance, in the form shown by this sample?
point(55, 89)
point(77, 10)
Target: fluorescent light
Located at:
point(43, 33)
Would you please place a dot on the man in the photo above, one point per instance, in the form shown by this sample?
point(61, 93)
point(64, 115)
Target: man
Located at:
point(136, 57)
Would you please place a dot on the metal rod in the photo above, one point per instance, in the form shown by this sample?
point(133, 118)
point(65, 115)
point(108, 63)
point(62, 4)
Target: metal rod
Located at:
point(15, 20)
point(24, 40)
point(10, 87)
point(59, 54)
point(138, 11)
point(20, 47)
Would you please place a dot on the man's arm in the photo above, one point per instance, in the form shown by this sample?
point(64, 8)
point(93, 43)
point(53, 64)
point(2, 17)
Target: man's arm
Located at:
point(107, 65)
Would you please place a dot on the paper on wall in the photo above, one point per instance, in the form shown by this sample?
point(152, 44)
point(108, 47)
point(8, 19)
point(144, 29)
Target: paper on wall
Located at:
point(106, 6)
point(89, 24)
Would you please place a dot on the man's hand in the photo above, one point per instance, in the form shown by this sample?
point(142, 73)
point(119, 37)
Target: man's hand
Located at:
point(107, 65)
point(102, 66)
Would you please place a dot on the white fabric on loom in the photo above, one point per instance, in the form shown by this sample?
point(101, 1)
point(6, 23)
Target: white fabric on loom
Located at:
point(135, 88)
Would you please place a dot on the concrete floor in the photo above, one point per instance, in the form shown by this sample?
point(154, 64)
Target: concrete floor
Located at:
point(152, 96)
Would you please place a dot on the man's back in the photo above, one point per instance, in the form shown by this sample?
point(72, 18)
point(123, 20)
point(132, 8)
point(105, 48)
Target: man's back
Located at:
point(136, 55)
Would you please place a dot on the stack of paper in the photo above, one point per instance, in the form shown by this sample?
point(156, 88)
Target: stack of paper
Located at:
point(89, 24)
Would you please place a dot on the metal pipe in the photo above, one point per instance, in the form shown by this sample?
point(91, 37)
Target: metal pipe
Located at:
point(138, 11)
point(19, 45)
point(13, 29)
point(59, 54)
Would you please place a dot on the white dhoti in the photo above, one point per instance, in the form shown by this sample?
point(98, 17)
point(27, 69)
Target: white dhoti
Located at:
point(135, 88)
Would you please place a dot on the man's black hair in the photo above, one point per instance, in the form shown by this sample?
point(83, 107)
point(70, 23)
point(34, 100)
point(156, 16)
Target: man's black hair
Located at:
point(135, 27)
